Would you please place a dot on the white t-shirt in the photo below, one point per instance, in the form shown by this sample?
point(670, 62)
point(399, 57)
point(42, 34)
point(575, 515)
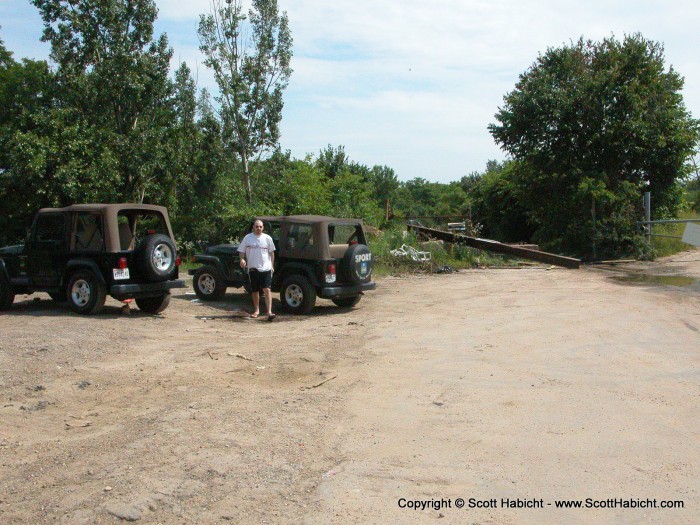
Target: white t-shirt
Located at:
point(257, 251)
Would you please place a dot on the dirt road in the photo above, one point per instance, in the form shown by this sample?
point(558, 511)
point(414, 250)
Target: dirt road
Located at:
point(500, 387)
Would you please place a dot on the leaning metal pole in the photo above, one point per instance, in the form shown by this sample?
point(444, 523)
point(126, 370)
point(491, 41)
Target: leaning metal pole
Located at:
point(498, 247)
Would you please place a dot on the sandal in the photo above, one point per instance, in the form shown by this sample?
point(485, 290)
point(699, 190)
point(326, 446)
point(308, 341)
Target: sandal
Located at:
point(254, 316)
point(271, 317)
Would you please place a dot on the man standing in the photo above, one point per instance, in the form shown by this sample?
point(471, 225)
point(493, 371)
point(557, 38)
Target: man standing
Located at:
point(257, 253)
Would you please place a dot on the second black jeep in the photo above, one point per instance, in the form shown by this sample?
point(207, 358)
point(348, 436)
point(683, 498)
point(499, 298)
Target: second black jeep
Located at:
point(315, 256)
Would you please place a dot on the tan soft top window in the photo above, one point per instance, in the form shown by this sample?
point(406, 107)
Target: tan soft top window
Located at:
point(136, 225)
point(88, 234)
point(300, 237)
point(345, 234)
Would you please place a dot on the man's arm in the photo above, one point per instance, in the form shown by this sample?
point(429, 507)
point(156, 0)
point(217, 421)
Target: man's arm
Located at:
point(271, 249)
point(241, 253)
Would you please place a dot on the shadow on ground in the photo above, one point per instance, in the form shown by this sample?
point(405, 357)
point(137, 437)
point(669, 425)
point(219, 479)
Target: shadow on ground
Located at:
point(239, 306)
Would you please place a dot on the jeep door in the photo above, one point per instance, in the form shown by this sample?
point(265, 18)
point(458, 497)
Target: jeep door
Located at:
point(47, 251)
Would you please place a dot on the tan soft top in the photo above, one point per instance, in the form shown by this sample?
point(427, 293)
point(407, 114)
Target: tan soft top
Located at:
point(100, 207)
point(109, 212)
point(309, 219)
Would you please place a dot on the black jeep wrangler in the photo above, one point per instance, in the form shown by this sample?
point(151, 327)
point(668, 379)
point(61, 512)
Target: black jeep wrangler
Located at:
point(314, 256)
point(84, 252)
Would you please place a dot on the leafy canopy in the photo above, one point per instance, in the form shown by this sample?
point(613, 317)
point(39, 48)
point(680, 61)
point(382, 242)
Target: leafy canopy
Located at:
point(112, 80)
point(593, 125)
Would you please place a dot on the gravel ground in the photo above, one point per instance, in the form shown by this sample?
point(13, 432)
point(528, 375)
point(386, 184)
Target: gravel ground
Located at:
point(530, 385)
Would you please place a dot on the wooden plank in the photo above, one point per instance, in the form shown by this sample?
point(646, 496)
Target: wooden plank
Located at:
point(498, 247)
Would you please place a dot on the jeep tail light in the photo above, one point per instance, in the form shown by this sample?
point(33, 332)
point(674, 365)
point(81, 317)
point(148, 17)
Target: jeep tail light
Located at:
point(122, 263)
point(330, 273)
point(178, 261)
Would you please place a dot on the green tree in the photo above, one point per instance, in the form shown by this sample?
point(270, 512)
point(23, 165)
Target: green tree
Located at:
point(292, 187)
point(386, 184)
point(498, 205)
point(351, 196)
point(26, 97)
point(212, 188)
point(250, 57)
point(185, 138)
point(332, 160)
point(417, 198)
point(114, 88)
point(452, 201)
point(595, 124)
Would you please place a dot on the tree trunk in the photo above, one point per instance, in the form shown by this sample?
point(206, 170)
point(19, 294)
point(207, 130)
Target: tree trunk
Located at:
point(246, 178)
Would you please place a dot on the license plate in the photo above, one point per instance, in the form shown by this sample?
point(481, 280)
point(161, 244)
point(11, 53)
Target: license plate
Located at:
point(120, 274)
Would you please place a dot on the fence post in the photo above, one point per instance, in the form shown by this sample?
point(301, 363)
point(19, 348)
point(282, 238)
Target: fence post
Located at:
point(647, 214)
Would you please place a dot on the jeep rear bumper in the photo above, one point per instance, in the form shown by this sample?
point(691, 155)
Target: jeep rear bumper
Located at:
point(329, 292)
point(134, 291)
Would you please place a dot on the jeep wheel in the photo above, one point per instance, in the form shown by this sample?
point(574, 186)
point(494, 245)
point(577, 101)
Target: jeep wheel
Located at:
point(7, 295)
point(208, 284)
point(347, 302)
point(86, 294)
point(357, 263)
point(153, 305)
point(157, 255)
point(297, 294)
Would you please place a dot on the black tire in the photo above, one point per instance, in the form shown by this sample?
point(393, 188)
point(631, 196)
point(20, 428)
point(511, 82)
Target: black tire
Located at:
point(156, 256)
point(358, 264)
point(153, 305)
point(297, 295)
point(209, 284)
point(7, 294)
point(86, 294)
point(59, 297)
point(347, 302)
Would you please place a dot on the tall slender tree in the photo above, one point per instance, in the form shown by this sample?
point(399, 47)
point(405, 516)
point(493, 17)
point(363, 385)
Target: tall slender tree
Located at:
point(250, 57)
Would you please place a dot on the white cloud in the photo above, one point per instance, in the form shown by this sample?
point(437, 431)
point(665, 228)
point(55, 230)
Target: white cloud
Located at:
point(415, 83)
point(437, 71)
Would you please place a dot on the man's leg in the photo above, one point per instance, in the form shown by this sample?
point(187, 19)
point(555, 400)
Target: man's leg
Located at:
point(256, 303)
point(268, 300)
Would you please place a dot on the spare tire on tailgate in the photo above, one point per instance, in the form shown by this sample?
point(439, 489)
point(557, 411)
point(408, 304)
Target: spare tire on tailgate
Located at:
point(357, 263)
point(156, 257)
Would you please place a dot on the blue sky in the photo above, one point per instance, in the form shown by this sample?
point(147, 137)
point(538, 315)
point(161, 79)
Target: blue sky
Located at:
point(412, 84)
